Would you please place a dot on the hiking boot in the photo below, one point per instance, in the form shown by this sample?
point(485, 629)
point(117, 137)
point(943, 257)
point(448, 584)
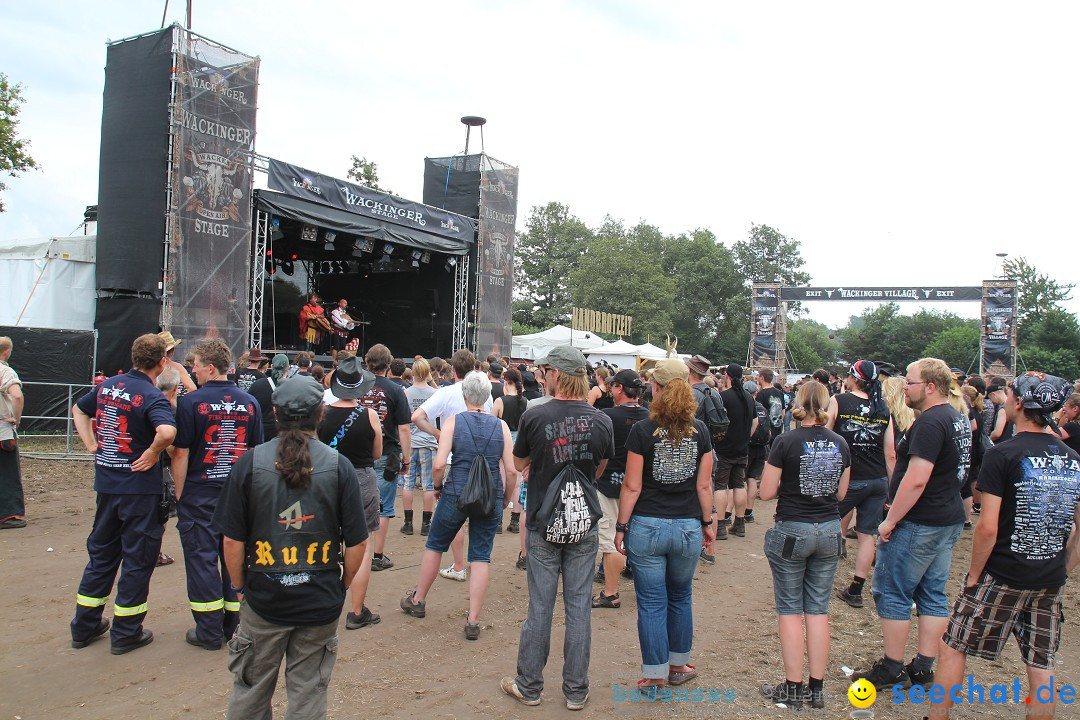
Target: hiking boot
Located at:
point(143, 640)
point(780, 693)
point(627, 572)
point(521, 562)
point(425, 527)
point(816, 698)
point(721, 531)
point(381, 563)
point(101, 629)
point(192, 638)
point(925, 679)
point(365, 618)
point(514, 526)
point(406, 529)
point(499, 528)
point(738, 528)
point(509, 686)
point(472, 630)
point(850, 598)
point(411, 607)
point(706, 557)
point(749, 517)
point(882, 678)
point(450, 573)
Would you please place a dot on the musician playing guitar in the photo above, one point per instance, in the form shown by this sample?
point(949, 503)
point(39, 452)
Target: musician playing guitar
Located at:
point(342, 327)
point(313, 323)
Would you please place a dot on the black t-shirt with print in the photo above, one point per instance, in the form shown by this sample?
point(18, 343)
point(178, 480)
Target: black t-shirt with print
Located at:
point(740, 409)
point(1073, 428)
point(554, 434)
point(1037, 478)
point(942, 436)
point(772, 399)
point(864, 431)
point(623, 417)
point(668, 472)
point(388, 400)
point(811, 461)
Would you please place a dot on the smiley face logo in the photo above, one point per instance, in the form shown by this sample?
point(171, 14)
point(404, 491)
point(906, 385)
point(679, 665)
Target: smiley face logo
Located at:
point(862, 693)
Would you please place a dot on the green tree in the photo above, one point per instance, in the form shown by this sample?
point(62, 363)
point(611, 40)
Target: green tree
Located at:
point(1036, 292)
point(366, 172)
point(1058, 362)
point(14, 156)
point(1051, 344)
point(958, 346)
point(770, 256)
point(882, 333)
point(546, 254)
point(810, 346)
point(866, 336)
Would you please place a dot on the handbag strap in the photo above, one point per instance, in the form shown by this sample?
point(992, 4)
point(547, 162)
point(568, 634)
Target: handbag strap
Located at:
point(352, 417)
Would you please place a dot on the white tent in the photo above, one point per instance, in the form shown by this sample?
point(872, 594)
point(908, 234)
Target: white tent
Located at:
point(650, 351)
point(619, 353)
point(49, 283)
point(537, 345)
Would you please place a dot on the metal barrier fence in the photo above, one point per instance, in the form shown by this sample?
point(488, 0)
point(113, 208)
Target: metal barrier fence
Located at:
point(73, 447)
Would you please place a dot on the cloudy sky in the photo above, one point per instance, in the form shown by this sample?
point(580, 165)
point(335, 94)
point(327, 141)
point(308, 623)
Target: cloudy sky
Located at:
point(902, 144)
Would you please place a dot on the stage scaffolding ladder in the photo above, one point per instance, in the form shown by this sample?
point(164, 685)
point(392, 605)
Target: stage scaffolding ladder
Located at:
point(461, 303)
point(258, 277)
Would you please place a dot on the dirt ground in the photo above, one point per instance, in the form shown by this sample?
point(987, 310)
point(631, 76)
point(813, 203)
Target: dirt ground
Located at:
point(408, 668)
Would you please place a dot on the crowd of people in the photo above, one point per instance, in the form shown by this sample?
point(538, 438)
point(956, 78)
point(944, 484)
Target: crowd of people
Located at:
point(284, 483)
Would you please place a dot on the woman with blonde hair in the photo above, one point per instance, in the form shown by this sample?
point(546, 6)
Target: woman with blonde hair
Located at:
point(600, 394)
point(901, 418)
point(807, 471)
point(665, 517)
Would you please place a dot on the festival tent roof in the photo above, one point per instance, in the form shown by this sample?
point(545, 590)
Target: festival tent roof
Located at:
point(49, 282)
point(537, 345)
point(648, 350)
point(619, 347)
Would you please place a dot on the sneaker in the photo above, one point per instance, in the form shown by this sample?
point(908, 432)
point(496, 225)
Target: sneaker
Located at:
point(143, 640)
point(577, 704)
point(365, 618)
point(381, 563)
point(450, 573)
point(472, 630)
point(509, 686)
point(738, 528)
point(882, 679)
point(406, 529)
point(976, 508)
point(425, 527)
point(706, 557)
point(514, 526)
point(851, 599)
point(749, 517)
point(778, 693)
point(721, 531)
point(411, 607)
point(192, 638)
point(101, 629)
point(925, 679)
point(816, 698)
point(521, 562)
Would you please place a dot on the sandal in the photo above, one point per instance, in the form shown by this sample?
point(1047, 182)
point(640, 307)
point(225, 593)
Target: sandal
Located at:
point(606, 601)
point(163, 559)
point(681, 676)
point(644, 683)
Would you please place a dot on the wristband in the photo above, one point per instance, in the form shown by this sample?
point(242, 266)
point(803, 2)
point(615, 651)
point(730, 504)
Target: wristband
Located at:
point(706, 523)
point(622, 527)
point(237, 590)
point(436, 487)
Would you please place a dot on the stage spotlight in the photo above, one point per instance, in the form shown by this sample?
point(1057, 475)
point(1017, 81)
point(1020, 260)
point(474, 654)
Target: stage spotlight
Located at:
point(330, 235)
point(416, 263)
point(364, 245)
point(275, 222)
point(287, 267)
point(276, 235)
point(328, 246)
point(388, 249)
point(451, 264)
point(416, 255)
point(309, 233)
point(425, 258)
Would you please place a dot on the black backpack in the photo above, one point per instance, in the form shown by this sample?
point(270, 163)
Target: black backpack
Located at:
point(479, 496)
point(763, 434)
point(712, 412)
point(570, 508)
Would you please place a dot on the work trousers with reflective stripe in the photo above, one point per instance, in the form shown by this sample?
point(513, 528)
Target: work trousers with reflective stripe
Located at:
point(213, 603)
point(126, 530)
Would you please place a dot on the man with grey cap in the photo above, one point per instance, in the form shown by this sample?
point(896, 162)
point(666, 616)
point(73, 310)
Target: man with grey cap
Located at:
point(286, 510)
point(566, 430)
point(1021, 550)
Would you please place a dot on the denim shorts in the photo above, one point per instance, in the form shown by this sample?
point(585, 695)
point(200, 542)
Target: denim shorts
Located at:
point(868, 497)
point(913, 567)
point(803, 557)
point(419, 474)
point(447, 520)
point(387, 490)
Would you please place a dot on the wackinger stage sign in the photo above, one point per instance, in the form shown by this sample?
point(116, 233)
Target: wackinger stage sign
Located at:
point(883, 294)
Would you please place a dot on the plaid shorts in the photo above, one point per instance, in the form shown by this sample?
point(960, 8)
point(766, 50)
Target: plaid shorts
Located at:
point(985, 615)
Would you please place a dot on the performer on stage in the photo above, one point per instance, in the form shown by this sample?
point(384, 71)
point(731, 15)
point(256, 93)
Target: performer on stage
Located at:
point(313, 323)
point(343, 325)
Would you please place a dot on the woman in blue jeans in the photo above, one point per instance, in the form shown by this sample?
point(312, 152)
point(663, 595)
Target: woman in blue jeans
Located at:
point(665, 516)
point(808, 470)
point(467, 434)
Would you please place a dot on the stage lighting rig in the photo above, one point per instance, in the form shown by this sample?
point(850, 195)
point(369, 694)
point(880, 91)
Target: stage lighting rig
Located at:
point(388, 249)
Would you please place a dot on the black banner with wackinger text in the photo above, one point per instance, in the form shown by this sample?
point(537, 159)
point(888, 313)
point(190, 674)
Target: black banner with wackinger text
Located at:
point(495, 254)
point(344, 195)
point(883, 294)
point(765, 309)
point(999, 317)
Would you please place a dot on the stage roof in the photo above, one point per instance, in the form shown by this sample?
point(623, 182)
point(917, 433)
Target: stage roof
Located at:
point(343, 221)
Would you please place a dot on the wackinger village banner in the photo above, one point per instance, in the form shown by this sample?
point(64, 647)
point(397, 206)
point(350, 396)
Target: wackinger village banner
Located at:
point(213, 138)
point(998, 321)
point(765, 308)
point(495, 253)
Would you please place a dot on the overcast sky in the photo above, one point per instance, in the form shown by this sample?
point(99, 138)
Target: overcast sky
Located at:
point(902, 144)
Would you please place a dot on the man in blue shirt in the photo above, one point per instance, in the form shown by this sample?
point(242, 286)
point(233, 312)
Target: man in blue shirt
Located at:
point(126, 422)
point(215, 425)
